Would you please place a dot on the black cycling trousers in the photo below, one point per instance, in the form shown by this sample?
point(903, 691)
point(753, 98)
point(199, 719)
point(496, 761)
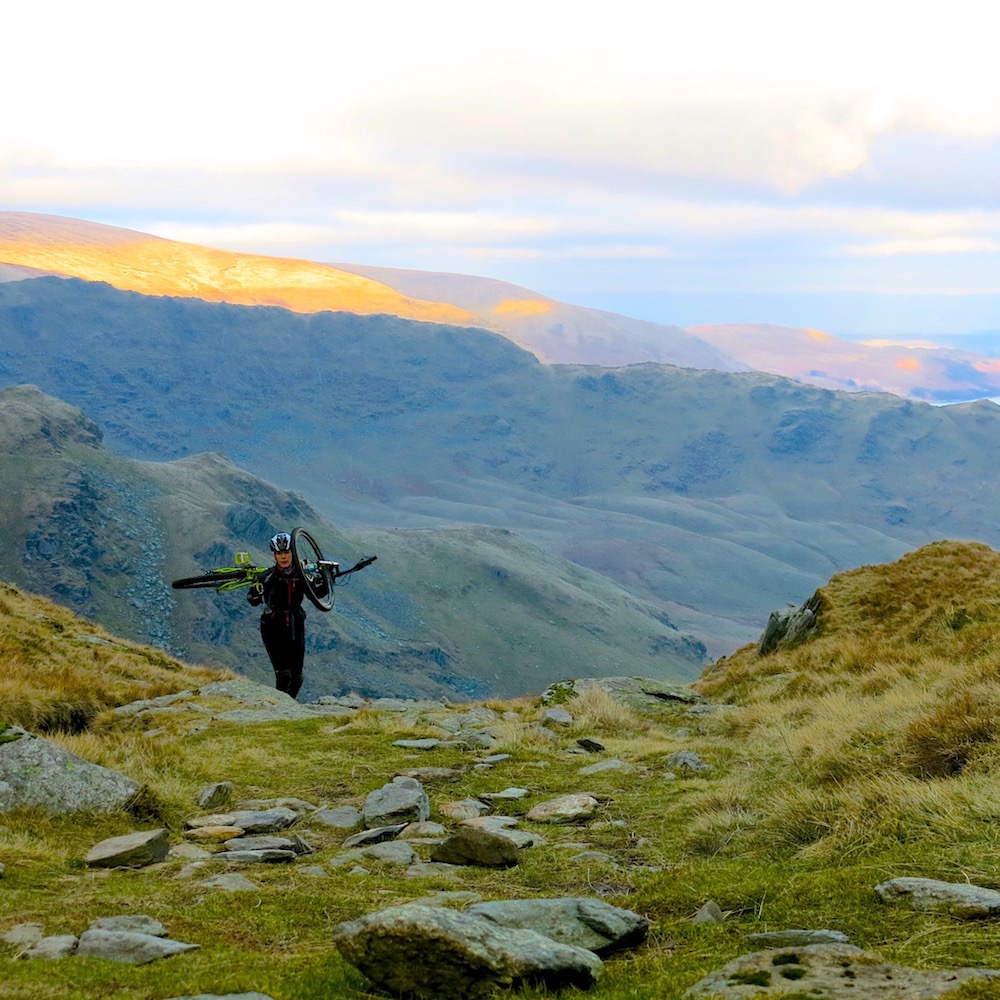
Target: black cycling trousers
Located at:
point(284, 638)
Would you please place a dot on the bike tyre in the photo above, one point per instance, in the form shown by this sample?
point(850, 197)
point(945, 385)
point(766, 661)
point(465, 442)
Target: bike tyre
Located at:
point(206, 580)
point(304, 550)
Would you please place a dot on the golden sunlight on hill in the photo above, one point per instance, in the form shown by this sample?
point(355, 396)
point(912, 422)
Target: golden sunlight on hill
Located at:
point(136, 262)
point(522, 308)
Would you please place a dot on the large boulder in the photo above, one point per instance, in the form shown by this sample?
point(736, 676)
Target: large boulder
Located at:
point(35, 772)
point(579, 921)
point(435, 952)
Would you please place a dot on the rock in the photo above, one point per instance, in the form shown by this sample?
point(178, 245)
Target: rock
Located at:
point(126, 946)
point(133, 850)
point(376, 835)
point(594, 858)
point(314, 871)
point(263, 844)
point(437, 952)
point(464, 809)
point(23, 935)
point(831, 971)
point(957, 899)
point(216, 795)
point(788, 628)
point(417, 831)
point(509, 794)
point(710, 913)
point(474, 846)
point(262, 857)
point(433, 869)
point(579, 921)
point(428, 743)
point(496, 824)
point(137, 923)
point(214, 834)
point(189, 852)
point(591, 744)
point(572, 808)
point(213, 819)
point(688, 760)
point(392, 852)
point(265, 820)
point(402, 800)
point(3, 868)
point(231, 881)
point(299, 806)
point(340, 818)
point(54, 947)
point(557, 715)
point(796, 938)
point(493, 759)
point(612, 764)
point(35, 772)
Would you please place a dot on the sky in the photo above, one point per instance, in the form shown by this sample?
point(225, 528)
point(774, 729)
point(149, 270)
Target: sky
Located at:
point(834, 166)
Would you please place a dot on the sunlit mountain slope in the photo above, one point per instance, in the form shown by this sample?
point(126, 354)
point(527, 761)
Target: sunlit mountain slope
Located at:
point(136, 262)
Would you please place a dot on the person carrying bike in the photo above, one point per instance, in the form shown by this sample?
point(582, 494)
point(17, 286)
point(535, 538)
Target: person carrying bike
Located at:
point(282, 622)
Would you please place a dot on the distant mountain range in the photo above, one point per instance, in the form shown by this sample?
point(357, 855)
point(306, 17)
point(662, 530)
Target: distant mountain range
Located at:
point(555, 332)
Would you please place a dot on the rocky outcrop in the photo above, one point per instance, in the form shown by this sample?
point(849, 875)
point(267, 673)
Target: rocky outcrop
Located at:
point(35, 772)
point(831, 971)
point(433, 952)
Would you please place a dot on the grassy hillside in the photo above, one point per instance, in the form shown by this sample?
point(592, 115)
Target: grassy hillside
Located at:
point(461, 613)
point(866, 753)
point(715, 496)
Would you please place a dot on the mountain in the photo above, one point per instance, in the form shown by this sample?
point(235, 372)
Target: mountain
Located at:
point(459, 613)
point(919, 371)
point(556, 332)
point(714, 497)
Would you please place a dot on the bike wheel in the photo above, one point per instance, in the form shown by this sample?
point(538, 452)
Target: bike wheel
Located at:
point(215, 579)
point(309, 561)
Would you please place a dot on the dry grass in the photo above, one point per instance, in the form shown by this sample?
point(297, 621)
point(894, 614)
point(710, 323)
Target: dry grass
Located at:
point(59, 672)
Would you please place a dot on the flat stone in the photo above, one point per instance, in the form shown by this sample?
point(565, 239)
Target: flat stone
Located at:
point(340, 817)
point(417, 831)
point(266, 843)
point(314, 871)
point(231, 882)
point(376, 835)
point(188, 852)
point(137, 923)
point(591, 744)
point(612, 764)
point(557, 715)
point(573, 808)
point(263, 857)
point(464, 809)
point(392, 852)
point(496, 824)
point(427, 743)
point(494, 758)
point(55, 946)
point(212, 819)
point(133, 850)
point(510, 794)
point(265, 820)
point(129, 947)
point(957, 899)
point(214, 834)
point(21, 935)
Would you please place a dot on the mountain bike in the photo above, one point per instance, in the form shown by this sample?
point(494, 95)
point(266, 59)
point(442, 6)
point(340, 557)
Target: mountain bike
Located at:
point(319, 575)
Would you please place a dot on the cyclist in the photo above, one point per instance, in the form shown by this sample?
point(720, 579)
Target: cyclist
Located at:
point(282, 623)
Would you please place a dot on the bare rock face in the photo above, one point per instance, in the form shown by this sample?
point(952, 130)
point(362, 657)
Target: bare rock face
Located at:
point(832, 971)
point(35, 772)
point(435, 952)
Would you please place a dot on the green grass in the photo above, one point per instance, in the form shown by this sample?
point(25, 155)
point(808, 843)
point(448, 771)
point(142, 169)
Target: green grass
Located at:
point(811, 802)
